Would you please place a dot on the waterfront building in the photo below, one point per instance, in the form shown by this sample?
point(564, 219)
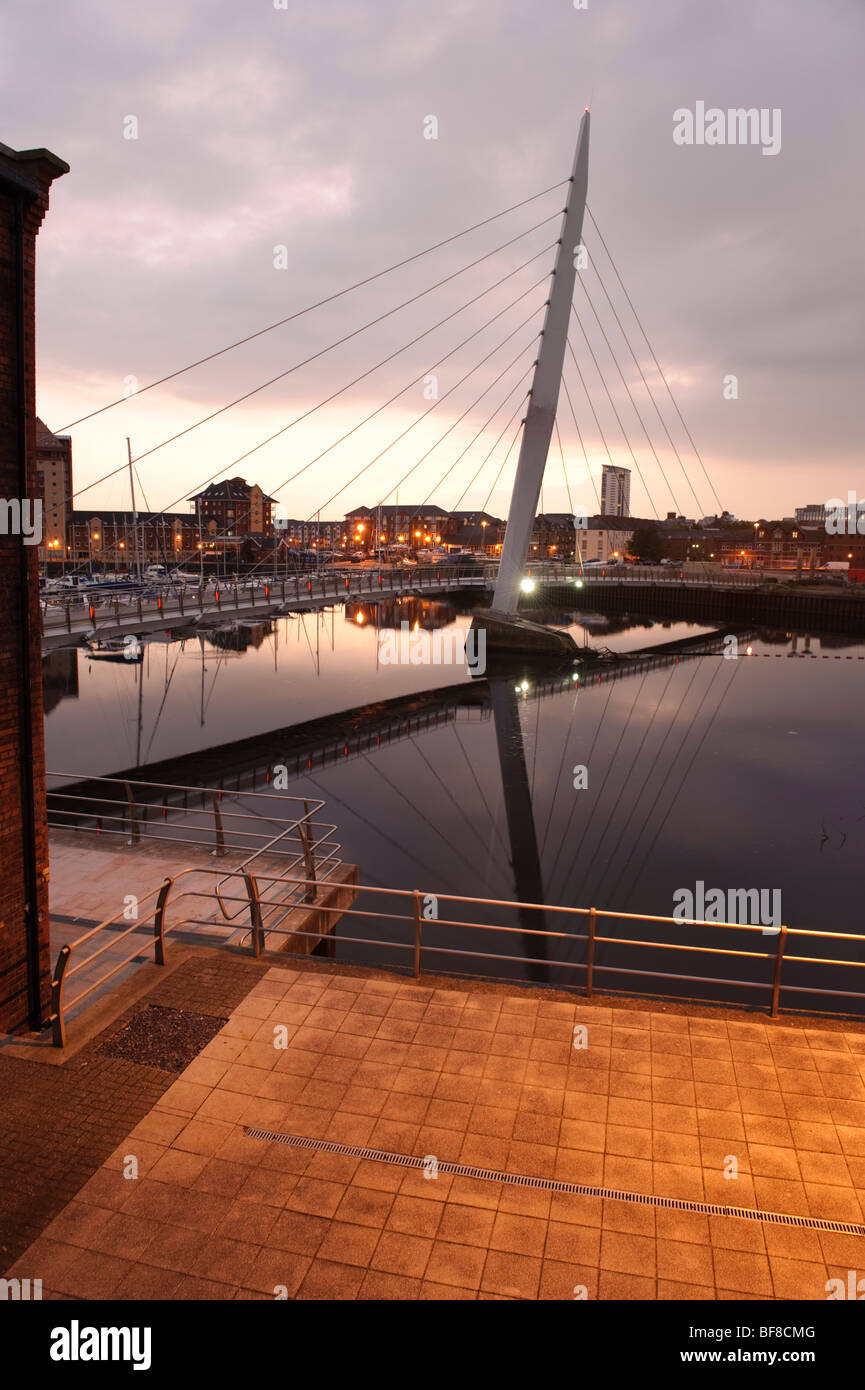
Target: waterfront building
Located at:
point(615, 491)
point(54, 467)
point(236, 507)
point(119, 539)
point(25, 966)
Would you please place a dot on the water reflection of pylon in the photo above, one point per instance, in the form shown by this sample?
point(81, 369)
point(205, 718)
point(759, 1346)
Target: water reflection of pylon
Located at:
point(525, 859)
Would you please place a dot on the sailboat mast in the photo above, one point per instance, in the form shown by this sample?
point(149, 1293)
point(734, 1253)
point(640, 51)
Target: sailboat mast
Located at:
point(134, 511)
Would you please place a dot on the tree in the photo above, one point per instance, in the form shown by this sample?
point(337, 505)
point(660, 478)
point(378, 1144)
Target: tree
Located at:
point(645, 544)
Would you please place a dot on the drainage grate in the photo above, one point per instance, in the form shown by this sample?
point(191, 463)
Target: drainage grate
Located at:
point(612, 1194)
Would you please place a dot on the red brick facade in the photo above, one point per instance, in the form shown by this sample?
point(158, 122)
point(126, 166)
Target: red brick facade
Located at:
point(25, 970)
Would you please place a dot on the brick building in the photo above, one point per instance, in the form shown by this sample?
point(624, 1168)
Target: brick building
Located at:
point(775, 545)
point(234, 508)
point(418, 526)
point(296, 533)
point(54, 466)
point(113, 540)
point(25, 968)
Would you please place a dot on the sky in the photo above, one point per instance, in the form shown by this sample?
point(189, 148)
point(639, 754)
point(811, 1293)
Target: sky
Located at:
point(282, 155)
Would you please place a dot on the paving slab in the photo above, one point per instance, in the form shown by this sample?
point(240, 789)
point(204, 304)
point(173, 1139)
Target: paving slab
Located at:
point(417, 1105)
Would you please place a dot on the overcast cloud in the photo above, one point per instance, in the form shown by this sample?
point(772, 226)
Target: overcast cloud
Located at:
point(304, 127)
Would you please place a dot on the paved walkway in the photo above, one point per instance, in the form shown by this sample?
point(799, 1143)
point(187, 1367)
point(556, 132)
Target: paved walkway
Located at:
point(94, 879)
point(654, 1104)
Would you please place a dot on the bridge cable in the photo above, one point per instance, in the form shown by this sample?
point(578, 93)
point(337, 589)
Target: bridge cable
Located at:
point(397, 845)
point(493, 820)
point(451, 846)
point(594, 485)
point(564, 468)
point(614, 410)
point(424, 414)
point(323, 351)
point(398, 265)
point(502, 467)
point(630, 396)
point(474, 829)
point(484, 427)
point(598, 425)
point(466, 412)
point(591, 820)
point(419, 377)
point(355, 334)
point(655, 360)
point(475, 333)
point(683, 740)
point(649, 390)
point(563, 761)
point(491, 451)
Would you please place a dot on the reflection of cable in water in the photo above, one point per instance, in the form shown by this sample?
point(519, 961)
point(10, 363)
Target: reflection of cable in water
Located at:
point(670, 770)
point(673, 725)
point(535, 745)
point(328, 796)
point(687, 771)
point(596, 894)
point(434, 828)
point(564, 835)
point(493, 820)
point(450, 795)
point(607, 781)
point(562, 763)
point(670, 727)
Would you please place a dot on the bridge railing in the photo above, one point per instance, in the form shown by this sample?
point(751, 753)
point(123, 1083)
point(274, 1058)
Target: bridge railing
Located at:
point(300, 855)
point(93, 610)
point(673, 575)
point(427, 938)
point(770, 958)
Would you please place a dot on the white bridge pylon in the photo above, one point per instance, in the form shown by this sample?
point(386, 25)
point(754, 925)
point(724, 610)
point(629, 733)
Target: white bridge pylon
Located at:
point(544, 397)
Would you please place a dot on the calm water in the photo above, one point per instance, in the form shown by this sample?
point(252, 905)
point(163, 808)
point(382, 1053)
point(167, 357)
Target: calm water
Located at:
point(737, 773)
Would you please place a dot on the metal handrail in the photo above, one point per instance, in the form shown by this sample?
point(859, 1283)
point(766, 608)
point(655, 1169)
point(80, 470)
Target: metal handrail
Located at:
point(63, 972)
point(301, 858)
point(279, 589)
point(89, 807)
point(776, 953)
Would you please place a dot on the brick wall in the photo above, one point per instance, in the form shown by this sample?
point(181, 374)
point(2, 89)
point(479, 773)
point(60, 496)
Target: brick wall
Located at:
point(25, 179)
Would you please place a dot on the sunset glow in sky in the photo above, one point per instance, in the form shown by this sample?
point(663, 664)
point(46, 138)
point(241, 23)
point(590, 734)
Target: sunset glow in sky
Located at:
point(303, 128)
